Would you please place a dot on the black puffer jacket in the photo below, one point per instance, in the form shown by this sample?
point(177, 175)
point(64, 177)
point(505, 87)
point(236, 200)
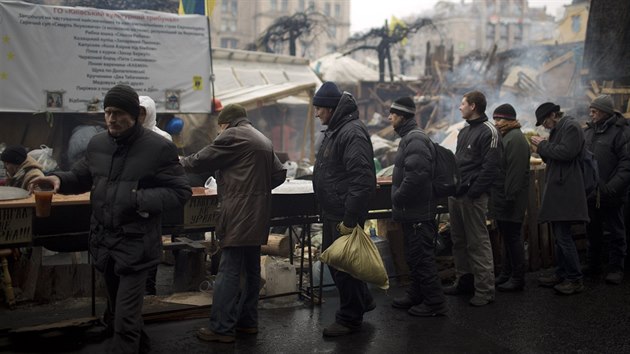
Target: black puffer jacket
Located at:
point(344, 176)
point(411, 182)
point(478, 154)
point(132, 179)
point(608, 140)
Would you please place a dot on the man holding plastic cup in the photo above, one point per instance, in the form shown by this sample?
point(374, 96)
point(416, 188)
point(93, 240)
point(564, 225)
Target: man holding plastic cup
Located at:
point(133, 176)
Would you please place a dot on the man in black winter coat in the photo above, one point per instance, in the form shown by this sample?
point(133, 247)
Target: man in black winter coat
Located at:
point(607, 136)
point(343, 179)
point(133, 176)
point(413, 205)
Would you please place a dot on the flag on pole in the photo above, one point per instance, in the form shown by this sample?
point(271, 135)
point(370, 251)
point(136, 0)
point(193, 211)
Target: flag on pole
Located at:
point(199, 7)
point(394, 22)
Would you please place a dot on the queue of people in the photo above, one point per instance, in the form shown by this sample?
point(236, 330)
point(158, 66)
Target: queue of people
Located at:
point(134, 174)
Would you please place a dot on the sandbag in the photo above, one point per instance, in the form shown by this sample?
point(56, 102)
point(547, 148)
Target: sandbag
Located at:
point(357, 255)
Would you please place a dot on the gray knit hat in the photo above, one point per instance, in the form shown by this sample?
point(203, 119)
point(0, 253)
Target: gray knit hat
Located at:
point(604, 103)
point(403, 106)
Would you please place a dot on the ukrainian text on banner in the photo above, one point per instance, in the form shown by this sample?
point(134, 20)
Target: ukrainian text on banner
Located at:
point(64, 59)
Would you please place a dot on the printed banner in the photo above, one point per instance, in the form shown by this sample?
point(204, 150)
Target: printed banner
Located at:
point(64, 59)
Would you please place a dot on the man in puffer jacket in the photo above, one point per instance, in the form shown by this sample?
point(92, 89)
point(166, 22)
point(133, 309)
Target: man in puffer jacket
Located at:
point(134, 176)
point(413, 205)
point(343, 179)
point(608, 136)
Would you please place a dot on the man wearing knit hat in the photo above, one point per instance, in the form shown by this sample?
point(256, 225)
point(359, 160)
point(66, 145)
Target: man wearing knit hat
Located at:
point(477, 154)
point(563, 200)
point(414, 206)
point(246, 169)
point(607, 136)
point(21, 168)
point(133, 176)
point(343, 179)
point(508, 198)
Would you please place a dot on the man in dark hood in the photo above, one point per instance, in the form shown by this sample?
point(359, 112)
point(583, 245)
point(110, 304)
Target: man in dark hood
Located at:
point(343, 179)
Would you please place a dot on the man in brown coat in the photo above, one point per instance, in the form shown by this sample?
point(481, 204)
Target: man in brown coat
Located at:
point(246, 169)
point(21, 168)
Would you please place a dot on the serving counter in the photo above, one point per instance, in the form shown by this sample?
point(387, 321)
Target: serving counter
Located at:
point(66, 228)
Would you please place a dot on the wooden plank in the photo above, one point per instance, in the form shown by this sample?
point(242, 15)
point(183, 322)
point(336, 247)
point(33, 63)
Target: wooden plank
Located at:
point(590, 94)
point(616, 91)
point(595, 87)
point(557, 61)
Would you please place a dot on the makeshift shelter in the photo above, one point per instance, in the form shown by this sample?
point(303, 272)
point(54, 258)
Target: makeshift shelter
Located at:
point(275, 89)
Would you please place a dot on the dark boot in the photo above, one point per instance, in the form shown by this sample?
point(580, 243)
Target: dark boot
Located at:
point(404, 302)
point(502, 278)
point(511, 285)
point(465, 285)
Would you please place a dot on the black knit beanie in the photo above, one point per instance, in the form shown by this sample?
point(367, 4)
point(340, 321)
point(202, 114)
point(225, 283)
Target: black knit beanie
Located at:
point(231, 112)
point(403, 106)
point(504, 111)
point(15, 154)
point(123, 97)
point(327, 96)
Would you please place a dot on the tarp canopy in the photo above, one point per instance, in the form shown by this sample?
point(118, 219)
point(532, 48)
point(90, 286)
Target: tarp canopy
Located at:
point(343, 69)
point(254, 79)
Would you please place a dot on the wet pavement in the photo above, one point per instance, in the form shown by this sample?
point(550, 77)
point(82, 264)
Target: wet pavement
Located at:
point(533, 321)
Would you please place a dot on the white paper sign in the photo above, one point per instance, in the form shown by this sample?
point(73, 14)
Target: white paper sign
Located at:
point(64, 59)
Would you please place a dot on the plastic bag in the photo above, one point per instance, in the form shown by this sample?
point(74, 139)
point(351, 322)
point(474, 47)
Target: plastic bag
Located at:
point(358, 256)
point(44, 156)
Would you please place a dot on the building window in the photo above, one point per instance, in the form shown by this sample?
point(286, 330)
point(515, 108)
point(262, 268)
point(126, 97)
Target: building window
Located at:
point(274, 5)
point(576, 23)
point(285, 5)
point(337, 10)
point(327, 9)
point(302, 5)
point(229, 43)
point(229, 7)
point(504, 31)
point(333, 30)
point(228, 25)
point(311, 5)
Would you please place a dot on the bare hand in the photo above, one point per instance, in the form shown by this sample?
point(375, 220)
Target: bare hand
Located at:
point(536, 140)
point(53, 181)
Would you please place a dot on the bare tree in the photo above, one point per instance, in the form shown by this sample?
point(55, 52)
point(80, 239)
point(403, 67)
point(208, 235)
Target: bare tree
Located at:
point(385, 38)
point(290, 29)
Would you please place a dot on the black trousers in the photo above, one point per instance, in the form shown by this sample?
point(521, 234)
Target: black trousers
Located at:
point(354, 296)
point(513, 255)
point(125, 295)
point(419, 250)
point(606, 230)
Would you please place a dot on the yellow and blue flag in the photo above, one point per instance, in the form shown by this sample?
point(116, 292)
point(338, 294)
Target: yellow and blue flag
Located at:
point(199, 7)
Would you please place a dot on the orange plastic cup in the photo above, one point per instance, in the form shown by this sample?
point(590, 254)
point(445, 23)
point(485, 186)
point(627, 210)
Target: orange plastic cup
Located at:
point(43, 200)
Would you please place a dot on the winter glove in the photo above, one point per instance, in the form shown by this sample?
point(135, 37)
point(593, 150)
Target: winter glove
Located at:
point(343, 229)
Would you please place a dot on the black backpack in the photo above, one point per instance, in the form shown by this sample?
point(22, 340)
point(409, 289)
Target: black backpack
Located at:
point(446, 177)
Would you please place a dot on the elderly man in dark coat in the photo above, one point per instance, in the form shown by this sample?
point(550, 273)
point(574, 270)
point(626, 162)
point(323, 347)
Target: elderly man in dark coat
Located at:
point(608, 137)
point(134, 176)
point(246, 169)
point(414, 206)
point(508, 199)
point(343, 179)
point(564, 196)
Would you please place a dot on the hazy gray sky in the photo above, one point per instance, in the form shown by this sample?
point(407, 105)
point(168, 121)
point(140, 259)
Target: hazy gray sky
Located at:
point(367, 14)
